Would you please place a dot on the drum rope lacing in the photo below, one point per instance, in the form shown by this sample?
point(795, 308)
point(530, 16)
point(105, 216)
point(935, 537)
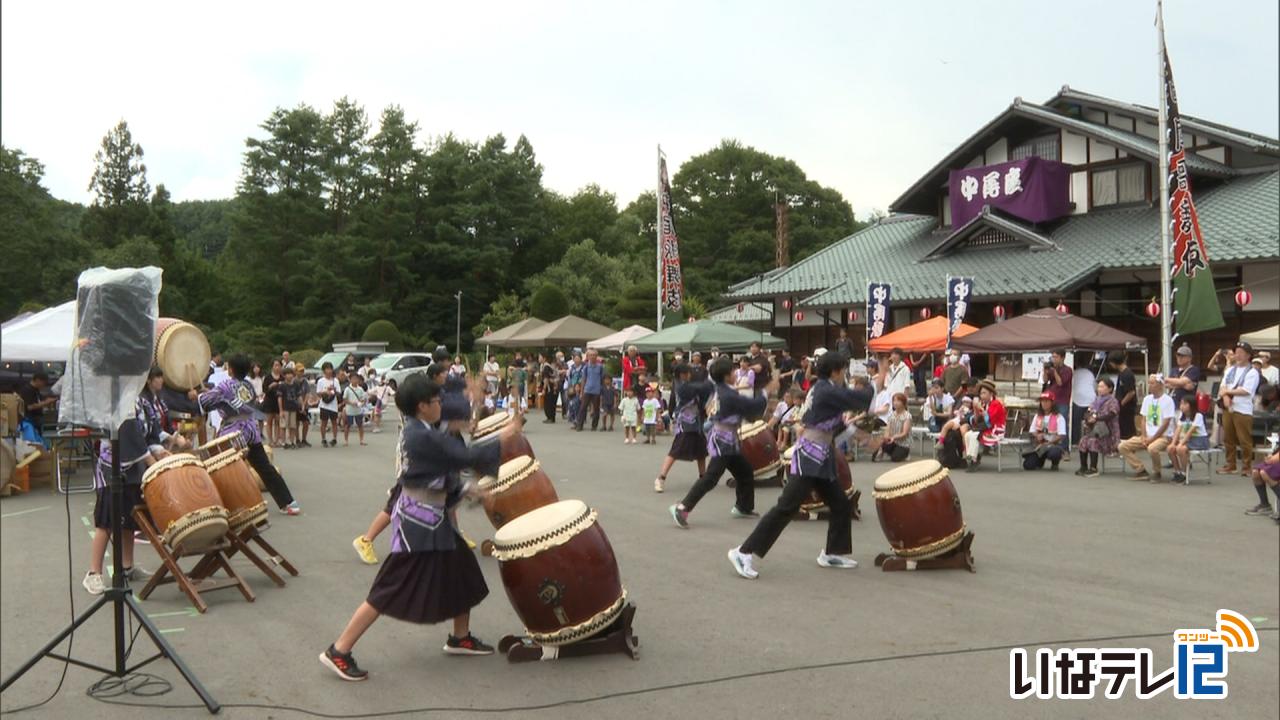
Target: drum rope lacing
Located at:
point(595, 624)
point(545, 541)
point(500, 484)
point(912, 487)
point(937, 547)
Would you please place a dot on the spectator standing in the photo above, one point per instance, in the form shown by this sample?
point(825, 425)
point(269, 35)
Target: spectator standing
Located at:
point(518, 378)
point(1270, 373)
point(744, 378)
point(1084, 391)
point(491, 371)
point(897, 375)
point(365, 369)
point(353, 400)
point(1057, 382)
point(592, 384)
point(271, 403)
point(289, 406)
point(608, 402)
point(306, 400)
point(955, 374)
point(327, 388)
point(919, 372)
point(32, 424)
point(1235, 396)
point(633, 369)
point(651, 408)
point(549, 388)
point(629, 408)
point(1185, 378)
point(761, 368)
point(458, 369)
point(350, 366)
point(697, 369)
point(256, 380)
point(1100, 433)
point(1159, 417)
point(843, 344)
point(1126, 394)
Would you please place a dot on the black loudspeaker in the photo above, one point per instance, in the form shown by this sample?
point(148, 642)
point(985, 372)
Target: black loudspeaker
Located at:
point(115, 327)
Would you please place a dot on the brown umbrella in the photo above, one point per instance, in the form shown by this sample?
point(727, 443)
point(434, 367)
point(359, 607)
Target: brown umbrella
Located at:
point(1047, 329)
point(568, 330)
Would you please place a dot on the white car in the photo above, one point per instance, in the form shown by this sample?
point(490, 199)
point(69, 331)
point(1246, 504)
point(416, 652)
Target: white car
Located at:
point(398, 366)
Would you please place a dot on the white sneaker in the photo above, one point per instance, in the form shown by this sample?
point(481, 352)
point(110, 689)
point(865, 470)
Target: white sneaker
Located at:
point(836, 561)
point(742, 563)
point(93, 583)
point(659, 485)
point(136, 573)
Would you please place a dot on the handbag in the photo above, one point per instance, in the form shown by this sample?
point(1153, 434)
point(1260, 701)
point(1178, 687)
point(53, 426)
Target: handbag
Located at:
point(1100, 430)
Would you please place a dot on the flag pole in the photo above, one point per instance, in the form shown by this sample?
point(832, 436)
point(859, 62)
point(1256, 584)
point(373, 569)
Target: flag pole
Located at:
point(658, 232)
point(1162, 167)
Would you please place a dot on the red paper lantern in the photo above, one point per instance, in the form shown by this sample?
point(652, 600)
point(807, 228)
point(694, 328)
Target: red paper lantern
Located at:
point(1153, 308)
point(1244, 297)
point(740, 306)
point(925, 313)
point(1062, 308)
point(853, 316)
point(998, 312)
point(787, 303)
point(799, 316)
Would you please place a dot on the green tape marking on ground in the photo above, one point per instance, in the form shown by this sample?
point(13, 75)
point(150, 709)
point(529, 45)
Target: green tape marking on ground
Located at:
point(166, 631)
point(191, 612)
point(85, 519)
point(1258, 619)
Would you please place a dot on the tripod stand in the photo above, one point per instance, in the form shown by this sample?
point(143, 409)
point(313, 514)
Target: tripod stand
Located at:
point(119, 597)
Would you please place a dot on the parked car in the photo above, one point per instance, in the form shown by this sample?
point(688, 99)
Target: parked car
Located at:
point(398, 366)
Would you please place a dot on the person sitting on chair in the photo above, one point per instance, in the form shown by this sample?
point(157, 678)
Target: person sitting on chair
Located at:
point(1048, 435)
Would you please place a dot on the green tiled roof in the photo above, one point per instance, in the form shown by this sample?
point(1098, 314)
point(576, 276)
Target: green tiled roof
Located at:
point(1240, 220)
point(751, 312)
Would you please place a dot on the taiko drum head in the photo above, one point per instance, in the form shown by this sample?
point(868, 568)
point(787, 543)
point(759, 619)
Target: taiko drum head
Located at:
point(182, 351)
point(169, 463)
point(510, 473)
point(910, 477)
point(538, 530)
point(491, 425)
point(751, 429)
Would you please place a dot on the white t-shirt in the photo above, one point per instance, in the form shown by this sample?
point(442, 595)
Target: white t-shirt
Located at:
point(945, 402)
point(1195, 427)
point(1084, 387)
point(1157, 410)
point(364, 371)
point(883, 398)
point(781, 411)
point(896, 379)
point(1242, 404)
point(1271, 374)
point(491, 371)
point(324, 385)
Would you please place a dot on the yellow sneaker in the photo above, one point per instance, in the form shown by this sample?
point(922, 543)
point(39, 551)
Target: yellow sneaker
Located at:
point(470, 543)
point(364, 549)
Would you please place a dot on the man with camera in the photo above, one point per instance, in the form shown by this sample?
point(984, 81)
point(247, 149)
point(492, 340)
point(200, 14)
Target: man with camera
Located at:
point(1057, 382)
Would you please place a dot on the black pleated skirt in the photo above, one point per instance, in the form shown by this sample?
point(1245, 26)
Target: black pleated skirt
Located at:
point(689, 446)
point(428, 587)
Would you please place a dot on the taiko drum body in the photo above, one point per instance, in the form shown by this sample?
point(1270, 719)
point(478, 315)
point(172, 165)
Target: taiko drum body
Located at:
point(489, 430)
point(238, 489)
point(560, 573)
point(521, 486)
point(184, 504)
point(843, 476)
point(760, 449)
point(919, 510)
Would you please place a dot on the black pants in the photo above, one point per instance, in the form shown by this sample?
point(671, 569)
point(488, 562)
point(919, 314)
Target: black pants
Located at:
point(796, 491)
point(743, 474)
point(549, 404)
point(1034, 461)
point(591, 402)
point(270, 476)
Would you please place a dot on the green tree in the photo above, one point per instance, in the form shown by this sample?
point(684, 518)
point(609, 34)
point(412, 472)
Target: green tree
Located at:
point(120, 190)
point(345, 140)
point(384, 331)
point(43, 252)
point(504, 311)
point(549, 302)
point(592, 281)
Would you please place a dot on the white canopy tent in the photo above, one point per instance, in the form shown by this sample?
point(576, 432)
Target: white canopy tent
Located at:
point(45, 336)
point(619, 340)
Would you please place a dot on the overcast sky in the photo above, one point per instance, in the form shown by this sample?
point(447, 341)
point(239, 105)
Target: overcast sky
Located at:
point(864, 96)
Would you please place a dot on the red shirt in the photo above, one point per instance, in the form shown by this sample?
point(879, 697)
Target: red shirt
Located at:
point(629, 369)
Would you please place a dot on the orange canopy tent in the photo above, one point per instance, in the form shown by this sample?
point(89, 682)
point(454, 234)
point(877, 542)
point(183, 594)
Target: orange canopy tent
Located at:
point(926, 336)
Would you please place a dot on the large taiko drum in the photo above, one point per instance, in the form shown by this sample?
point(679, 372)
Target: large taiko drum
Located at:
point(521, 486)
point(490, 430)
point(760, 449)
point(219, 445)
point(815, 503)
point(238, 489)
point(182, 352)
point(560, 573)
point(184, 504)
point(919, 510)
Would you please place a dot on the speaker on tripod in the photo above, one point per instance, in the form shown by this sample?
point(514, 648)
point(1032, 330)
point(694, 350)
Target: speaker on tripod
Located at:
point(116, 314)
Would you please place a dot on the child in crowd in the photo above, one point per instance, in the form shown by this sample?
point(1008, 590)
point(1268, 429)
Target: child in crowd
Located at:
point(305, 391)
point(1189, 434)
point(575, 403)
point(652, 406)
point(786, 412)
point(608, 399)
point(630, 410)
point(289, 406)
point(353, 399)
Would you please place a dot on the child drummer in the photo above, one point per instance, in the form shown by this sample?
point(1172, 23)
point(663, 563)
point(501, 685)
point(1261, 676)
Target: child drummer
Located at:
point(813, 468)
point(431, 575)
point(725, 448)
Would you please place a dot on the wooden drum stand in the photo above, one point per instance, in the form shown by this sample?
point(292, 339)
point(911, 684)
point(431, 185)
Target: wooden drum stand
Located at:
point(958, 559)
point(616, 638)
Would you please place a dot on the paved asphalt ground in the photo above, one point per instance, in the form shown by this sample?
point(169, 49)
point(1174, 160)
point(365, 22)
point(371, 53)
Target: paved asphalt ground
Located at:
point(1104, 562)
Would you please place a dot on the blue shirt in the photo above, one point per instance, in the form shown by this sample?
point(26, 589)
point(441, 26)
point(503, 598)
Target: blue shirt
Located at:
point(592, 376)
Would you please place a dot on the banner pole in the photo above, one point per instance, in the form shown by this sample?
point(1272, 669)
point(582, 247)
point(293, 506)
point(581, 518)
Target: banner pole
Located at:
point(658, 232)
point(1162, 167)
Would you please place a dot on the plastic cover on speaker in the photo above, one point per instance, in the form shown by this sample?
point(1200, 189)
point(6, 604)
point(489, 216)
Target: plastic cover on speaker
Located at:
point(114, 346)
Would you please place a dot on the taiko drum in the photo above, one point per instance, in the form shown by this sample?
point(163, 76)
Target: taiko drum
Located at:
point(815, 503)
point(238, 489)
point(521, 486)
point(182, 352)
point(489, 430)
point(184, 504)
point(919, 510)
point(760, 449)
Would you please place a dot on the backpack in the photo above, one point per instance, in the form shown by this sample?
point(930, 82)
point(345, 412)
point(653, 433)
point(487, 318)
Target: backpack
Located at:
point(1204, 403)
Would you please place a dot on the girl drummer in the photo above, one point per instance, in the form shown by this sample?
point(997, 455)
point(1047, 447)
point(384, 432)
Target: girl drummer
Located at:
point(724, 446)
point(813, 469)
point(431, 575)
point(143, 440)
point(688, 415)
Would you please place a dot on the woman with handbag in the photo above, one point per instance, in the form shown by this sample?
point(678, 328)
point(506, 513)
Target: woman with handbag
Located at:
point(1101, 429)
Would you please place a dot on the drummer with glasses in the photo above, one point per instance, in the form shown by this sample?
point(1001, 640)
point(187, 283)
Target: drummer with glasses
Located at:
point(813, 469)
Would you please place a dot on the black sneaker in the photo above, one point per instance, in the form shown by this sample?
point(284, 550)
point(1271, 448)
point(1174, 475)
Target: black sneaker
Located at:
point(343, 664)
point(469, 645)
